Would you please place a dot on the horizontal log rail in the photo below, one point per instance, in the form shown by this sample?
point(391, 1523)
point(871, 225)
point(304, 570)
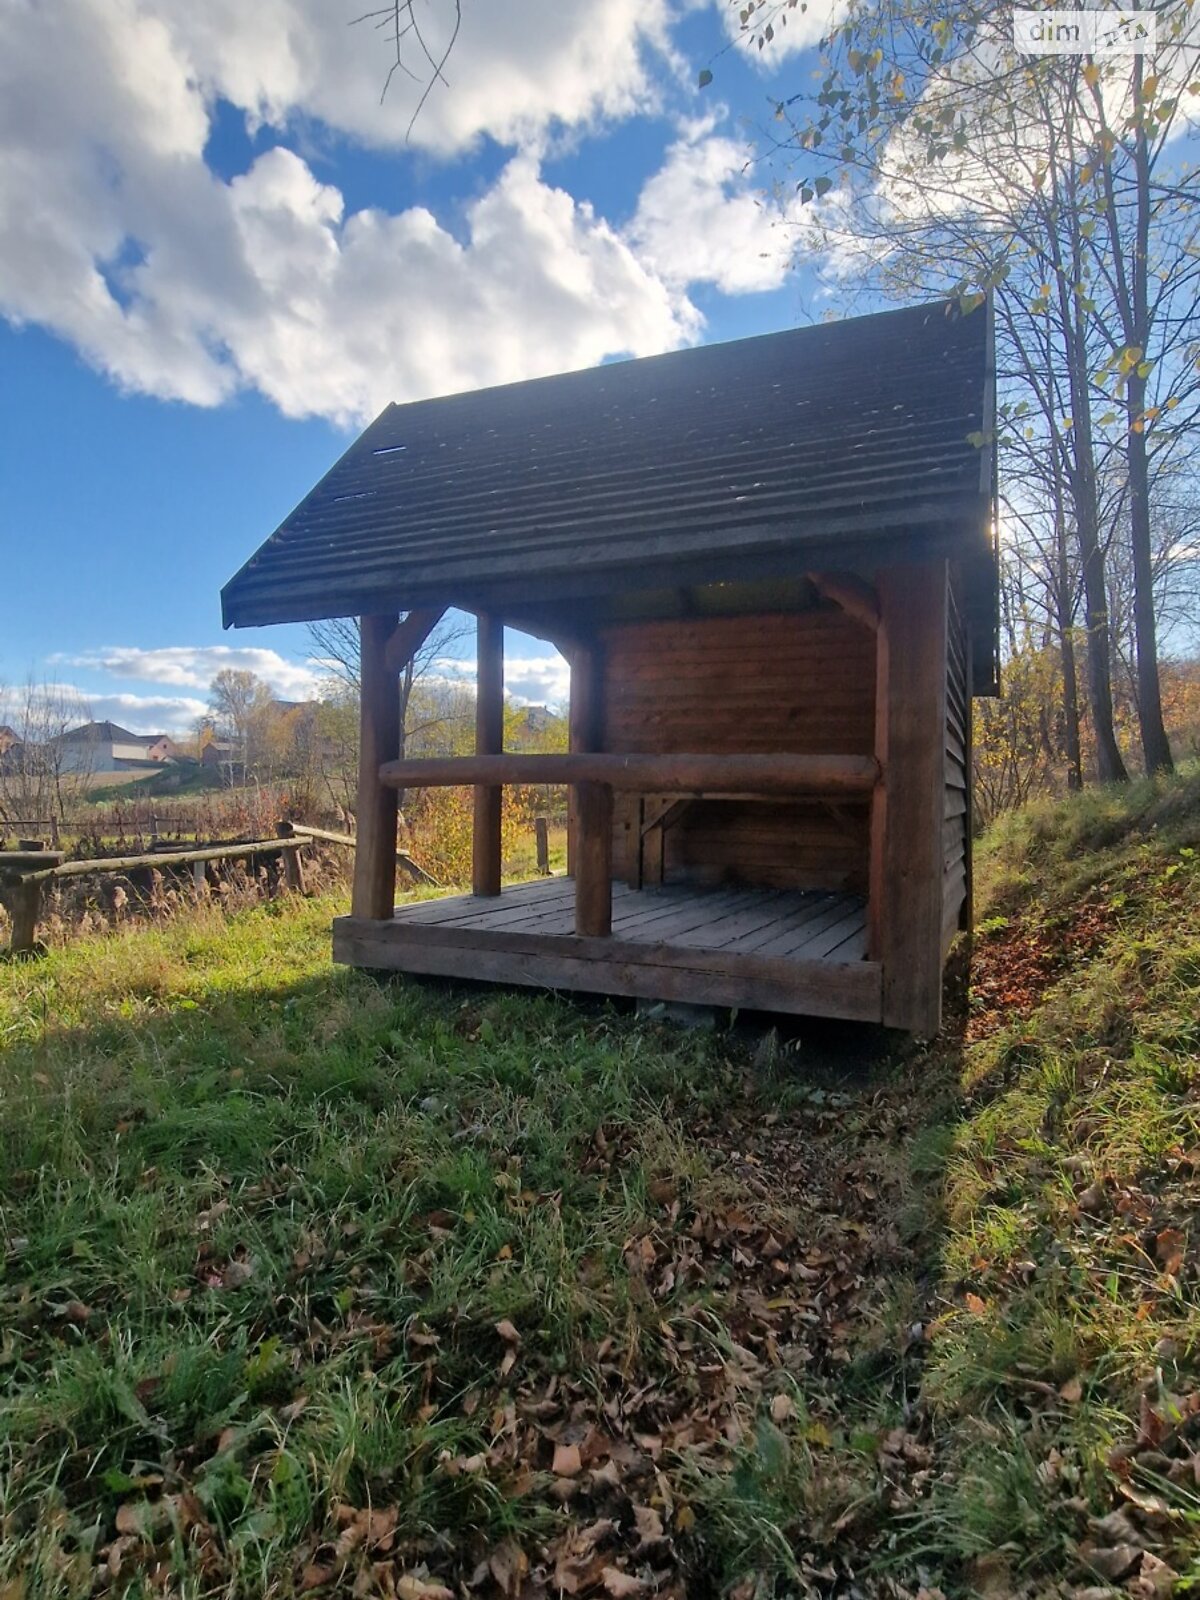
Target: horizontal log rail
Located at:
point(22, 889)
point(594, 775)
point(158, 859)
point(404, 861)
point(697, 775)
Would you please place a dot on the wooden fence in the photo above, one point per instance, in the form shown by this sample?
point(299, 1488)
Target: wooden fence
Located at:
point(31, 867)
point(25, 872)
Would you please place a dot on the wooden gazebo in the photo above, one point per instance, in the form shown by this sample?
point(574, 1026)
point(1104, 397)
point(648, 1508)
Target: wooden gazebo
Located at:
point(771, 567)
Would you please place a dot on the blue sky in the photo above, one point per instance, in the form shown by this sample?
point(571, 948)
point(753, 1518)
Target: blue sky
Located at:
point(219, 256)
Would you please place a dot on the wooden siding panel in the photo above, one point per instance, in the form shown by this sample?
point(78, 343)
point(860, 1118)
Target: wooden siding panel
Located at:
point(956, 830)
point(802, 683)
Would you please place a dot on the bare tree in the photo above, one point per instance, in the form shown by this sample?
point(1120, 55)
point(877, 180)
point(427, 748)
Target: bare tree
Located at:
point(955, 164)
point(335, 646)
point(43, 775)
point(407, 42)
point(239, 705)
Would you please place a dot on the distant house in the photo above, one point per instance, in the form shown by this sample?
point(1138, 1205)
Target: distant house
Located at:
point(218, 753)
point(10, 748)
point(97, 747)
point(531, 725)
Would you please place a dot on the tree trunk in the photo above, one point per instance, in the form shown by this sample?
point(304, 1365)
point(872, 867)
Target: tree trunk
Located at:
point(1156, 749)
point(1110, 768)
point(1065, 617)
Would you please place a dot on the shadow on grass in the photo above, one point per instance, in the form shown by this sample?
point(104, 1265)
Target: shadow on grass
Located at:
point(288, 1245)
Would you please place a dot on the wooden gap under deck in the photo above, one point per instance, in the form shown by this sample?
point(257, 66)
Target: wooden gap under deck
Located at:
point(801, 951)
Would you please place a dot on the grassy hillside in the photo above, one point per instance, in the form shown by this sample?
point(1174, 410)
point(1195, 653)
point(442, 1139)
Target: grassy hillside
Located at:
point(316, 1284)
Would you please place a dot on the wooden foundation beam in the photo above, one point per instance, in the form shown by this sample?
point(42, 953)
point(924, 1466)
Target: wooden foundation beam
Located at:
point(489, 741)
point(374, 895)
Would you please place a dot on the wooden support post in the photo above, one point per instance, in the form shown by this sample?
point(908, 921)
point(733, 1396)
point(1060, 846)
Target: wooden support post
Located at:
point(593, 859)
point(24, 907)
point(200, 878)
point(585, 723)
point(379, 741)
point(489, 741)
point(634, 820)
point(293, 867)
point(541, 834)
point(905, 896)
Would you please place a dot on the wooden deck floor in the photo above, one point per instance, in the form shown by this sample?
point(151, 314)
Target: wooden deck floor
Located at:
point(781, 950)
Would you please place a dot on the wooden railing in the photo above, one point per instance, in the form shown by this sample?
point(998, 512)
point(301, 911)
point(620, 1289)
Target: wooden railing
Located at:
point(694, 775)
point(593, 776)
point(23, 873)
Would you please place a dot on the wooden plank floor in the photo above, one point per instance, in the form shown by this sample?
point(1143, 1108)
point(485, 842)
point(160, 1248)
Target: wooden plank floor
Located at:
point(757, 949)
point(803, 925)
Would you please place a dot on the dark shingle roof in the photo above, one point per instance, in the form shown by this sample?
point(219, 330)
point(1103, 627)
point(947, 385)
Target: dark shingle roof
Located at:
point(760, 448)
point(103, 733)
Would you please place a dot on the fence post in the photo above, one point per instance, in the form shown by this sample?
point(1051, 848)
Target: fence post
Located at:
point(24, 905)
point(200, 878)
point(54, 835)
point(293, 867)
point(542, 834)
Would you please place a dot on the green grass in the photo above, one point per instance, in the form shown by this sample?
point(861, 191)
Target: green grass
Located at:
point(271, 1230)
point(1067, 1350)
point(287, 1249)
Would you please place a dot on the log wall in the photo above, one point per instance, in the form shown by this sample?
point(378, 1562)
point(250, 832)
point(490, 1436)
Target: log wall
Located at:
point(799, 682)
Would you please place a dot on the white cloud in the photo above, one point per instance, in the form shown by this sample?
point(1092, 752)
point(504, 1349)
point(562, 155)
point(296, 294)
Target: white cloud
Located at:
point(529, 680)
point(700, 220)
point(350, 315)
point(68, 705)
point(116, 234)
point(537, 680)
point(195, 666)
point(146, 713)
point(793, 29)
point(518, 67)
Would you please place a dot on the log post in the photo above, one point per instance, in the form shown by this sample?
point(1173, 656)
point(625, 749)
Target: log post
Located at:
point(906, 867)
point(593, 859)
point(293, 867)
point(374, 893)
point(489, 741)
point(584, 726)
point(24, 907)
point(541, 834)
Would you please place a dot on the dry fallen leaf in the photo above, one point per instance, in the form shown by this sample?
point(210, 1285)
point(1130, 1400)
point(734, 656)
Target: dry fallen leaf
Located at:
point(568, 1463)
point(649, 1526)
point(783, 1407)
point(620, 1583)
point(508, 1564)
point(409, 1586)
point(1169, 1247)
